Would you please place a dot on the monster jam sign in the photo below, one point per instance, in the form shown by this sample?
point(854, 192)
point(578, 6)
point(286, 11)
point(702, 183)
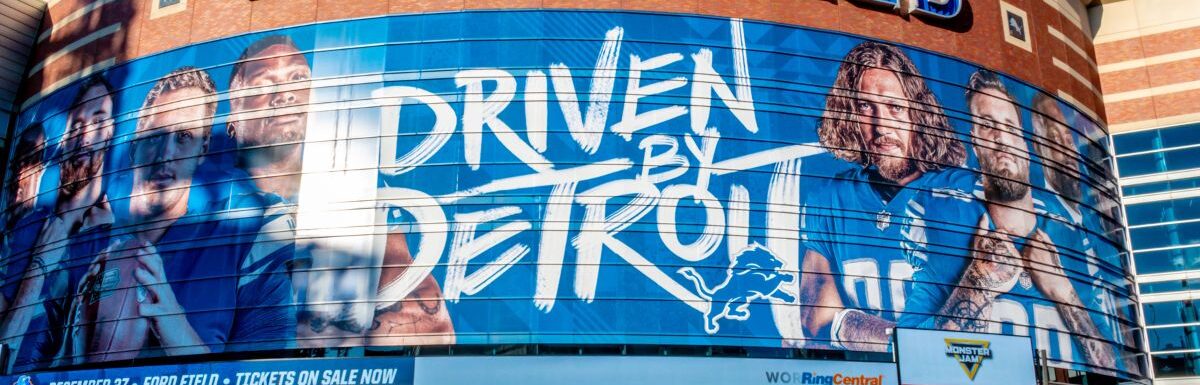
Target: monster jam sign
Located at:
point(965, 358)
point(969, 354)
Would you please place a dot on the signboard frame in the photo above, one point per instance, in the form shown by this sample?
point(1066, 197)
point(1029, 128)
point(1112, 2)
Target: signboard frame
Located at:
point(896, 350)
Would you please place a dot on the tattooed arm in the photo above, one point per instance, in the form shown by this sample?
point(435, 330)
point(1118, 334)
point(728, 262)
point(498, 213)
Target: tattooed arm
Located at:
point(823, 308)
point(859, 331)
point(994, 269)
point(1040, 256)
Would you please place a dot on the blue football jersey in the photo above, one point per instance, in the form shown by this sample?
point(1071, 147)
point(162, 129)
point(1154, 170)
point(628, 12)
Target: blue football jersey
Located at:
point(846, 220)
point(938, 246)
point(1095, 264)
point(203, 261)
point(44, 335)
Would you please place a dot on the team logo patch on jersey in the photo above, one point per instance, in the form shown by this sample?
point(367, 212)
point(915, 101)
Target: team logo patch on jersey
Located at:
point(883, 220)
point(969, 354)
point(1025, 280)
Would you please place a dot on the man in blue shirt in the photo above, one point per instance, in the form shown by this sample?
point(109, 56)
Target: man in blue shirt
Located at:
point(20, 201)
point(273, 74)
point(48, 249)
point(1064, 176)
point(999, 262)
point(882, 117)
point(188, 294)
point(21, 195)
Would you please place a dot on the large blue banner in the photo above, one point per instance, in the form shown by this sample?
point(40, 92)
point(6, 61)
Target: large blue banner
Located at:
point(557, 177)
point(360, 371)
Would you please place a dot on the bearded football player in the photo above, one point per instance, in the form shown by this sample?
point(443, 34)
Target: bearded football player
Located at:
point(172, 285)
point(49, 244)
point(883, 118)
point(1009, 274)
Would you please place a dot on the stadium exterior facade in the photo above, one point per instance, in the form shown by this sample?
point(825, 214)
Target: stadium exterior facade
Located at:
point(594, 190)
point(1147, 54)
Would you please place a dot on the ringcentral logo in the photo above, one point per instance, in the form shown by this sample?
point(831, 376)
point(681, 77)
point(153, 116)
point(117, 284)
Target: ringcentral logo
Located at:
point(969, 354)
point(813, 378)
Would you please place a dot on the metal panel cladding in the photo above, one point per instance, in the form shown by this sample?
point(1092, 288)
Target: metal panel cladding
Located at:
point(557, 177)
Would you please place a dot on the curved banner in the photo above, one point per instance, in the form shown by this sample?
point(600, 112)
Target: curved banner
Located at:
point(556, 178)
point(344, 371)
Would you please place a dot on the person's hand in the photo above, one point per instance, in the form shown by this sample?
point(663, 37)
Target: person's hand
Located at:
point(156, 299)
point(996, 264)
point(156, 303)
point(1045, 268)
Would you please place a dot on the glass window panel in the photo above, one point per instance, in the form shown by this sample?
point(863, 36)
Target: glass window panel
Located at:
point(1180, 338)
point(1146, 213)
point(1170, 313)
point(1180, 135)
point(1183, 159)
point(1177, 365)
point(1150, 188)
point(1169, 286)
point(1163, 211)
point(1166, 235)
point(1137, 142)
point(1155, 162)
point(1141, 164)
point(1161, 261)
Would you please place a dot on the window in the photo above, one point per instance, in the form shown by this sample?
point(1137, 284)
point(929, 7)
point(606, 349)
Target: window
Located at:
point(1169, 286)
point(1169, 160)
point(1178, 234)
point(1141, 164)
point(1170, 313)
point(1156, 187)
point(1137, 142)
point(1177, 338)
point(1157, 139)
point(1177, 365)
point(1163, 211)
point(1167, 260)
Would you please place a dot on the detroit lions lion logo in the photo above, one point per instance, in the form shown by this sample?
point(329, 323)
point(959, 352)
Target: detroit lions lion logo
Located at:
point(755, 274)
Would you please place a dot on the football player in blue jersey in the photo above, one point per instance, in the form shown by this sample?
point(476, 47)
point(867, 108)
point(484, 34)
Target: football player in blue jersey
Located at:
point(1057, 148)
point(271, 88)
point(1010, 273)
point(173, 281)
point(48, 244)
point(1064, 176)
point(881, 116)
point(21, 197)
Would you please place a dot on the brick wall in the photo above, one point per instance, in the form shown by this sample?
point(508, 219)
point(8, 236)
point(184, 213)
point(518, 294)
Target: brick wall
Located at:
point(975, 35)
point(1148, 80)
